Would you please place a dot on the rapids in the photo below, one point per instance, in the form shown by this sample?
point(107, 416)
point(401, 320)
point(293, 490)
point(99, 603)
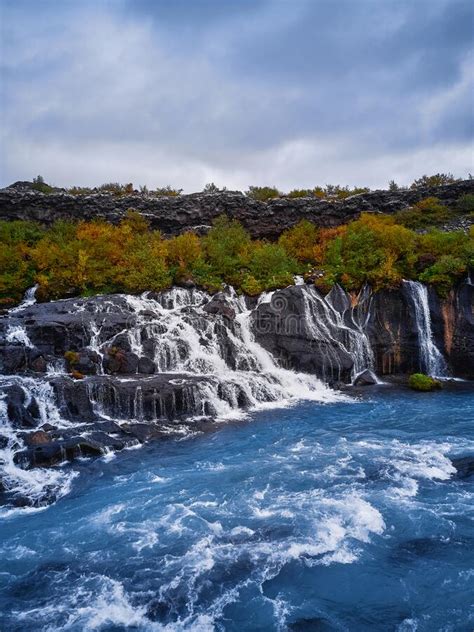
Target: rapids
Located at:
point(354, 516)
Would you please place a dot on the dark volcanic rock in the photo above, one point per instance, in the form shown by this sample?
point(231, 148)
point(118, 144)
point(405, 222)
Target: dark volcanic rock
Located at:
point(173, 215)
point(393, 333)
point(37, 438)
point(282, 328)
point(366, 378)
point(219, 304)
point(21, 413)
point(118, 361)
point(460, 331)
point(146, 366)
point(464, 467)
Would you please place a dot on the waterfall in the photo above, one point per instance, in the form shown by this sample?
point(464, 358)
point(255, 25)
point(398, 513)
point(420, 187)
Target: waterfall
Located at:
point(205, 363)
point(17, 334)
point(28, 300)
point(327, 324)
point(38, 486)
point(431, 359)
point(184, 340)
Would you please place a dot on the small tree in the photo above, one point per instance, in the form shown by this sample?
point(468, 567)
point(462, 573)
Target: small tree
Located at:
point(213, 188)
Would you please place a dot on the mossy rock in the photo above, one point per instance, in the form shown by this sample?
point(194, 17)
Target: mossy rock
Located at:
point(71, 357)
point(424, 383)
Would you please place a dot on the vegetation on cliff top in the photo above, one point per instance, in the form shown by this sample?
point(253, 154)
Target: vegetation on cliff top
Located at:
point(85, 258)
point(260, 193)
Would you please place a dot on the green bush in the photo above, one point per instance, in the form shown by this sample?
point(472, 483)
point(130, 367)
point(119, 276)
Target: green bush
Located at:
point(424, 383)
point(40, 185)
point(271, 266)
point(89, 257)
point(436, 180)
point(80, 191)
point(213, 188)
point(465, 204)
point(425, 213)
point(167, 190)
point(299, 193)
point(262, 194)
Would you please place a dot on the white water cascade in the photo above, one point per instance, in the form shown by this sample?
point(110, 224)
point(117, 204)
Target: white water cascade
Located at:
point(432, 360)
point(38, 485)
point(240, 372)
point(206, 363)
point(28, 300)
point(338, 329)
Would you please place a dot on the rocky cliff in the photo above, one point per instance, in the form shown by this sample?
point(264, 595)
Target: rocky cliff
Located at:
point(82, 377)
point(173, 215)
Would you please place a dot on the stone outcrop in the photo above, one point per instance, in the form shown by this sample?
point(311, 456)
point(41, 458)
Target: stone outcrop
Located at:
point(395, 337)
point(173, 215)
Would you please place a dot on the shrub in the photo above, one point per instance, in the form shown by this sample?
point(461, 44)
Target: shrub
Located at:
point(227, 249)
point(251, 286)
point(436, 180)
point(271, 266)
point(116, 188)
point(424, 383)
point(79, 190)
point(372, 250)
point(40, 185)
point(166, 191)
point(465, 204)
point(262, 194)
point(427, 212)
point(71, 357)
point(184, 253)
point(298, 193)
point(300, 241)
point(213, 188)
point(335, 190)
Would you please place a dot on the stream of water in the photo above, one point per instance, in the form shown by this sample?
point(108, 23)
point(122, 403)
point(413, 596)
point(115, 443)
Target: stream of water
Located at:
point(341, 516)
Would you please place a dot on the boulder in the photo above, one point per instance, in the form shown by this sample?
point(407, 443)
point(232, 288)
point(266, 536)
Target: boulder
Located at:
point(464, 466)
point(282, 327)
point(219, 305)
point(37, 438)
point(118, 361)
point(146, 366)
point(366, 378)
point(20, 414)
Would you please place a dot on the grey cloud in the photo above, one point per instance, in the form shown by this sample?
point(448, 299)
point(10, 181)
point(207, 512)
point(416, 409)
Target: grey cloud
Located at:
point(213, 87)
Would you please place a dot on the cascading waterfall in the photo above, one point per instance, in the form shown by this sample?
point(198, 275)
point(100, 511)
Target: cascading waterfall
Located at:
point(327, 324)
point(432, 360)
point(203, 366)
point(39, 485)
point(28, 300)
point(187, 341)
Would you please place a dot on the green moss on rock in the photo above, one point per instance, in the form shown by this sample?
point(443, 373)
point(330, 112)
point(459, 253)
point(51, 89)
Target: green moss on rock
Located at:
point(424, 383)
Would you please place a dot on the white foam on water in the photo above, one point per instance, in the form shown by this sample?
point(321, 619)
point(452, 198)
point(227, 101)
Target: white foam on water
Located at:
point(17, 334)
point(28, 300)
point(39, 485)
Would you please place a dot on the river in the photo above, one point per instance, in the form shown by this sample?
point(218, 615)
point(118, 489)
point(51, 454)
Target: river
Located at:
point(339, 516)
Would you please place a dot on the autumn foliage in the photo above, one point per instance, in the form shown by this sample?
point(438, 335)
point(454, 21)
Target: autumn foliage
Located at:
point(84, 258)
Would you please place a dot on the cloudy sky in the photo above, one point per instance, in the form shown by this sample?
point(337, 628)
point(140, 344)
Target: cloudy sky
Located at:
point(292, 93)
